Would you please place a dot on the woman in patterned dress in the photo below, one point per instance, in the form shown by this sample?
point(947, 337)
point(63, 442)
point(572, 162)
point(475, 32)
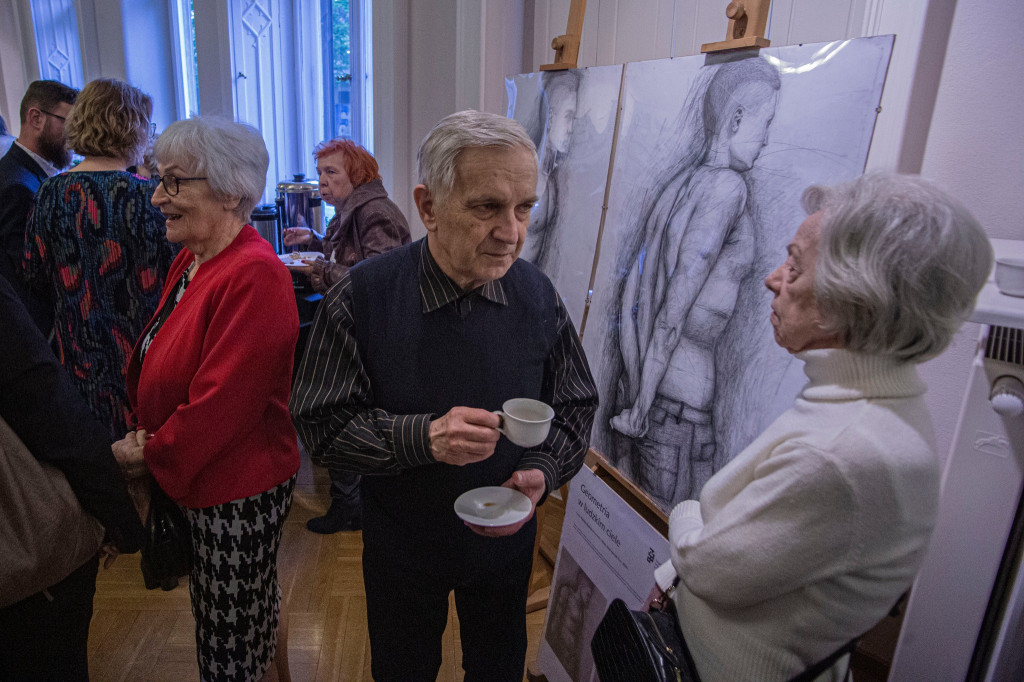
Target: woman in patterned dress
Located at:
point(95, 246)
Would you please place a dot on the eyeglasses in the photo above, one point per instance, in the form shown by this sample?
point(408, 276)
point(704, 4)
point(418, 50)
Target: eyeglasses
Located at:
point(50, 113)
point(171, 183)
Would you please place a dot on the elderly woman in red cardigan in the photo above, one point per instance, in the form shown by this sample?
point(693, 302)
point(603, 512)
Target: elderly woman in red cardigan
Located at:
point(209, 382)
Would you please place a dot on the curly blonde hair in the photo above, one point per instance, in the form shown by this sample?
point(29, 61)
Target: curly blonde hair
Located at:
point(110, 118)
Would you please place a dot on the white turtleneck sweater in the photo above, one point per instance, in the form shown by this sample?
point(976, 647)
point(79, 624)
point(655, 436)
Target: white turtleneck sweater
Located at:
point(809, 536)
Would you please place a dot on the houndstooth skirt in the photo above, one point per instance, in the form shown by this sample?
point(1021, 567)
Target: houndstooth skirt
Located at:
point(236, 599)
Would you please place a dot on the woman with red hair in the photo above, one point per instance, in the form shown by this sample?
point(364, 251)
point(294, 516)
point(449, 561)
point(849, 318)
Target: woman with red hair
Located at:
point(366, 222)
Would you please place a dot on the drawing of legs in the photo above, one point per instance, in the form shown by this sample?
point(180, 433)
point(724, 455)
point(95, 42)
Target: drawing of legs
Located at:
point(676, 455)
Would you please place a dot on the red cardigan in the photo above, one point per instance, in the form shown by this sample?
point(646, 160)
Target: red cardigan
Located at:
point(214, 388)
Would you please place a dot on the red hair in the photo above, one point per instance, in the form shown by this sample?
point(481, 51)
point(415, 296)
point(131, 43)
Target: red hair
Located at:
point(360, 166)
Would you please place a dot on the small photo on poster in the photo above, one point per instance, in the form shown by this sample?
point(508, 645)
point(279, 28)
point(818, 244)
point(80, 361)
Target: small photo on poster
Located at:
point(575, 609)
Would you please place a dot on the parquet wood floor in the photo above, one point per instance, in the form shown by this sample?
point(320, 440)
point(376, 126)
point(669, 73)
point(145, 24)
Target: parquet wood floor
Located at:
point(142, 635)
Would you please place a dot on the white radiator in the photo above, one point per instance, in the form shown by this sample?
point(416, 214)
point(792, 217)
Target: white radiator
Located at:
point(964, 617)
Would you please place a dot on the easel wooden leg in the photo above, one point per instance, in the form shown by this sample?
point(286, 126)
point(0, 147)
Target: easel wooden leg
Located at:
point(540, 580)
point(535, 577)
point(538, 599)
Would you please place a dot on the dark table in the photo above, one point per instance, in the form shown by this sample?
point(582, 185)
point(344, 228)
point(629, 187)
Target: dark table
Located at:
point(307, 301)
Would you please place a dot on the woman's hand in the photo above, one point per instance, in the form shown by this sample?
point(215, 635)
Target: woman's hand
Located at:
point(656, 600)
point(297, 235)
point(128, 453)
point(317, 274)
point(314, 271)
point(109, 553)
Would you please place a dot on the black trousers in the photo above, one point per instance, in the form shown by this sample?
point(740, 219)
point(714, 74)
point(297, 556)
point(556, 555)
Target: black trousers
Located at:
point(345, 491)
point(45, 637)
point(407, 611)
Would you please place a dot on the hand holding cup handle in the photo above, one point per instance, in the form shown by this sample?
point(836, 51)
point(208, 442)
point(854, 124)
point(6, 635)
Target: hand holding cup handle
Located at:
point(501, 422)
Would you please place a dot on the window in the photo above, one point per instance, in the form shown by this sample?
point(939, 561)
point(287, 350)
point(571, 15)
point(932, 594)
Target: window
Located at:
point(56, 32)
point(186, 72)
point(347, 81)
point(294, 69)
point(338, 67)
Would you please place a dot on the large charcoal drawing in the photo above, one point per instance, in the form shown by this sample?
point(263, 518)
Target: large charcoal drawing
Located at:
point(571, 117)
point(711, 160)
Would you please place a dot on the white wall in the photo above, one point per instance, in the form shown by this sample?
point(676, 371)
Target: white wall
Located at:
point(975, 146)
point(975, 150)
point(430, 60)
point(146, 32)
point(414, 57)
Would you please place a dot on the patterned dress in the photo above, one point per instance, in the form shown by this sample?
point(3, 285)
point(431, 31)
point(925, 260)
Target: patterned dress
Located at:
point(96, 247)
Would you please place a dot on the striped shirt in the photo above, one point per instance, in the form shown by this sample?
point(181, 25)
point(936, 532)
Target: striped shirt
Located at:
point(340, 428)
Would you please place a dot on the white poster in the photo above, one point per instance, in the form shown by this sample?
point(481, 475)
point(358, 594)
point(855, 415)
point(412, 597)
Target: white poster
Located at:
point(607, 551)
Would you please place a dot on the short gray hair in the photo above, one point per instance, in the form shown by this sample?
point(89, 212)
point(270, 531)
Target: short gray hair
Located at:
point(900, 264)
point(231, 156)
point(440, 149)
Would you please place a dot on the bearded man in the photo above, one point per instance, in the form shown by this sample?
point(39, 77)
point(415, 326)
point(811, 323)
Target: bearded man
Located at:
point(38, 153)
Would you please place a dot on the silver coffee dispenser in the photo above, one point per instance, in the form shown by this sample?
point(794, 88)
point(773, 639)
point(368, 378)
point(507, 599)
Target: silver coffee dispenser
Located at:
point(264, 219)
point(299, 204)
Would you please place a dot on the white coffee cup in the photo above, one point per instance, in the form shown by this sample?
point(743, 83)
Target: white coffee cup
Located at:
point(525, 421)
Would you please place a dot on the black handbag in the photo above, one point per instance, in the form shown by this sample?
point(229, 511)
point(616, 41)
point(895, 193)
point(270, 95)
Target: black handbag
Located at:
point(167, 549)
point(641, 646)
point(648, 646)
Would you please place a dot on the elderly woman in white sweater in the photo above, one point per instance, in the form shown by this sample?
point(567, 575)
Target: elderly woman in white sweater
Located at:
point(809, 536)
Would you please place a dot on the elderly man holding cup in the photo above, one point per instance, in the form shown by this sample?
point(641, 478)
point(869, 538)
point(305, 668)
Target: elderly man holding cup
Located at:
point(424, 343)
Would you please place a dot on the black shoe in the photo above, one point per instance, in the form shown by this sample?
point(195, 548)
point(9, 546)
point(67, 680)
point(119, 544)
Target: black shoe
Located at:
point(152, 582)
point(337, 518)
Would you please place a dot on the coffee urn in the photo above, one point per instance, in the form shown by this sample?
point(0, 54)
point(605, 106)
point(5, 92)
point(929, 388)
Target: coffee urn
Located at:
point(316, 210)
point(299, 203)
point(264, 219)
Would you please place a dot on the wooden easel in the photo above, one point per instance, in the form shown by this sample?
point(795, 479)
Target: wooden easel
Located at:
point(748, 20)
point(567, 47)
point(567, 50)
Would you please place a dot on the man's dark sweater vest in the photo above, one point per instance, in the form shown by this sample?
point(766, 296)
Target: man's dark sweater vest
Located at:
point(430, 362)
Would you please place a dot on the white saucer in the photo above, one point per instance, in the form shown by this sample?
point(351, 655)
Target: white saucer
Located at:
point(299, 259)
point(493, 506)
